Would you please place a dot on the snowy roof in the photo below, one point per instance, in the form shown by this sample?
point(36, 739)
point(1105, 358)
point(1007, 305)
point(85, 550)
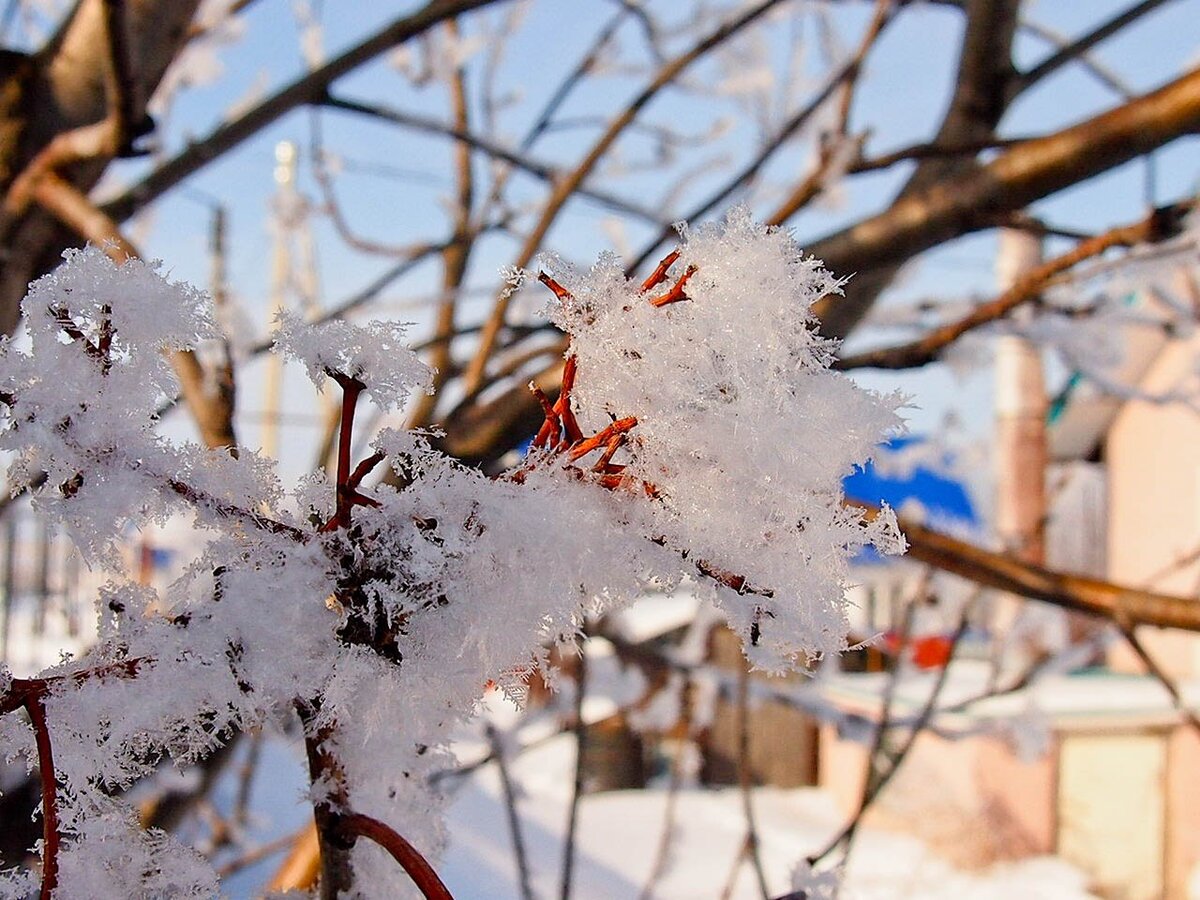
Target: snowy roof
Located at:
point(1088, 699)
point(1081, 414)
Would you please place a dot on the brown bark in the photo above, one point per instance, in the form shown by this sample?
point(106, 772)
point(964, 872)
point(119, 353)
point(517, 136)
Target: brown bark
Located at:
point(1126, 606)
point(974, 199)
point(982, 92)
point(64, 87)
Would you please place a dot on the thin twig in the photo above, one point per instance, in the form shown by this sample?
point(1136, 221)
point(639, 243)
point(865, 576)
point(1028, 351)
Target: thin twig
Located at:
point(846, 73)
point(744, 779)
point(355, 825)
point(510, 807)
point(305, 90)
point(1085, 42)
point(568, 186)
point(1162, 677)
point(580, 731)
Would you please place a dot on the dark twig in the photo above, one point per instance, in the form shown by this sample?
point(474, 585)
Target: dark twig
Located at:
point(744, 779)
point(510, 808)
point(580, 731)
point(1161, 676)
point(1083, 44)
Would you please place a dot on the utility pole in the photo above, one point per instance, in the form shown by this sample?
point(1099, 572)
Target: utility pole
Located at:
point(1020, 449)
point(285, 204)
point(293, 275)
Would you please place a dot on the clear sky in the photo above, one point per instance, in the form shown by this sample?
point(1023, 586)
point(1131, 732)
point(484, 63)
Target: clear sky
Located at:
point(393, 181)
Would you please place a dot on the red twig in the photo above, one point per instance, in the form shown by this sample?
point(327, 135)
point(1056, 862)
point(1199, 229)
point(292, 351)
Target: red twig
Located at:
point(348, 496)
point(659, 275)
point(364, 468)
point(676, 293)
point(553, 423)
point(600, 438)
point(559, 291)
point(51, 839)
point(563, 406)
point(605, 461)
point(30, 693)
point(356, 825)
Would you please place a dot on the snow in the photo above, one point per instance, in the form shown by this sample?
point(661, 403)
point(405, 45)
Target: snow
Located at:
point(620, 832)
point(387, 623)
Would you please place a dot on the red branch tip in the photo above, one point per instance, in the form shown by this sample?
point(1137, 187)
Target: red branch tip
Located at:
point(559, 291)
point(676, 293)
point(355, 825)
point(659, 275)
point(601, 437)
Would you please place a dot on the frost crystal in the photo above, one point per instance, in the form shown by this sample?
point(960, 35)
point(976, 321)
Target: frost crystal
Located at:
point(742, 429)
point(376, 354)
point(699, 435)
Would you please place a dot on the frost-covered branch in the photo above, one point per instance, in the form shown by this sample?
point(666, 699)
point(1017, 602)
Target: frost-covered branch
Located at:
point(381, 613)
point(566, 186)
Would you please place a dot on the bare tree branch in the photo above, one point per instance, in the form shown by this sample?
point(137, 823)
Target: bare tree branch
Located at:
point(1083, 44)
point(1124, 605)
point(1016, 178)
point(845, 75)
point(311, 88)
point(1158, 225)
point(565, 187)
point(542, 171)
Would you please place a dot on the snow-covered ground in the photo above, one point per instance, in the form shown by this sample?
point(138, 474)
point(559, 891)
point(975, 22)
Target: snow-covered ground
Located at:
point(620, 834)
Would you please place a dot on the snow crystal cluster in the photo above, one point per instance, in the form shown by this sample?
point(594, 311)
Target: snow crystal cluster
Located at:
point(742, 428)
point(385, 629)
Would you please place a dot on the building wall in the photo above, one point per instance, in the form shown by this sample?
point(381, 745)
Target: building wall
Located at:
point(973, 801)
point(1153, 457)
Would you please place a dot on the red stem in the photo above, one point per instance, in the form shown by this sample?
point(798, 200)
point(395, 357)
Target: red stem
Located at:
point(418, 868)
point(602, 437)
point(351, 388)
point(659, 275)
point(50, 836)
point(364, 468)
point(676, 293)
point(559, 291)
point(347, 481)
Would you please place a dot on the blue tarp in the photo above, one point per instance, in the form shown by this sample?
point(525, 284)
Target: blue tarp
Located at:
point(945, 500)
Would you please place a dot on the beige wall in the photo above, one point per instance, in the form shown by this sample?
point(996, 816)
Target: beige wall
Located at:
point(1111, 808)
point(1153, 456)
point(971, 800)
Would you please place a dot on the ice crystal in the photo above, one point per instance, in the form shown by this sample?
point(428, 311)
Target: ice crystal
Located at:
point(384, 614)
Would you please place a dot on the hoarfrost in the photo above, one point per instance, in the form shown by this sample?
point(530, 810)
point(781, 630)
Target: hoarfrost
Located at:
point(406, 602)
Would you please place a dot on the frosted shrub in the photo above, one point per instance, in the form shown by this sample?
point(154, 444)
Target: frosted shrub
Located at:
point(698, 434)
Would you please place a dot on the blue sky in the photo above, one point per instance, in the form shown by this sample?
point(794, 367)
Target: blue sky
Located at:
point(399, 178)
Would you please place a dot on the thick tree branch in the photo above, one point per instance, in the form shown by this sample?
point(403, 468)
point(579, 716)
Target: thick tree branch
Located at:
point(70, 109)
point(1124, 605)
point(1160, 224)
point(979, 100)
point(1017, 177)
